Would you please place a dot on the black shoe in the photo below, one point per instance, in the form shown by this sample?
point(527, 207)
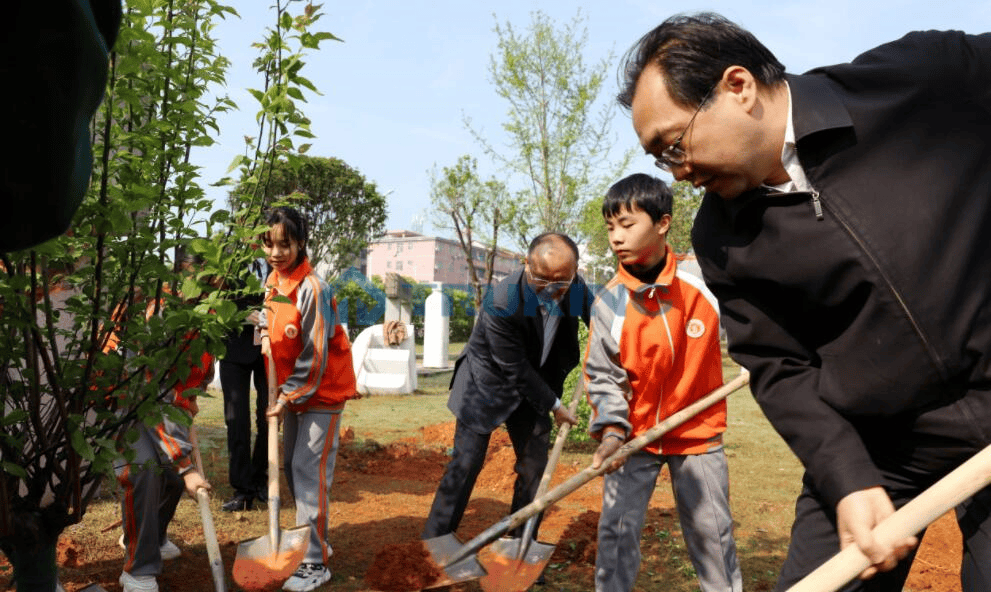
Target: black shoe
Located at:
point(239, 503)
point(261, 494)
point(540, 581)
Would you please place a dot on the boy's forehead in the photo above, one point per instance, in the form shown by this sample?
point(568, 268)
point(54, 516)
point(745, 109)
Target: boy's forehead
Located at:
point(625, 209)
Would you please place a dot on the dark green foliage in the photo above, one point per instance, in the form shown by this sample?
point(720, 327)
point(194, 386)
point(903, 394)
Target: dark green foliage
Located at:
point(345, 210)
point(69, 397)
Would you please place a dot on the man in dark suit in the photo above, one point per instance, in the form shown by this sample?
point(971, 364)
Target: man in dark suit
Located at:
point(512, 371)
point(845, 233)
point(243, 360)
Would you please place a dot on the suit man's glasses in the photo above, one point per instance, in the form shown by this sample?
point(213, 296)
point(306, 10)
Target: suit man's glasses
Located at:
point(541, 284)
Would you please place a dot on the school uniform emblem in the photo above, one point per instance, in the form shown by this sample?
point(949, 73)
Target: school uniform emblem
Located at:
point(291, 331)
point(695, 328)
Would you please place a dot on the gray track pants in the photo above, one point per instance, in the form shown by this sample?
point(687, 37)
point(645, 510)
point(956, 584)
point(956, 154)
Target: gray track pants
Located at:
point(701, 491)
point(309, 442)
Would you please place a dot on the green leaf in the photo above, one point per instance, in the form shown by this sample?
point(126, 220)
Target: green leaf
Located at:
point(15, 416)
point(81, 445)
point(15, 470)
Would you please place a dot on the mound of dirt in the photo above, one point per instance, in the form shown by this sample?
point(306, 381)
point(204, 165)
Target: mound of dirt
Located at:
point(380, 498)
point(402, 568)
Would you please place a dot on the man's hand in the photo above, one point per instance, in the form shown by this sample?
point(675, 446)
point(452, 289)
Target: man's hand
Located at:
point(266, 345)
point(194, 481)
point(608, 447)
point(856, 515)
point(563, 416)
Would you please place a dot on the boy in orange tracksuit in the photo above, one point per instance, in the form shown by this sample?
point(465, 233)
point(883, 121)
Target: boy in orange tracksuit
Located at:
point(654, 349)
point(301, 332)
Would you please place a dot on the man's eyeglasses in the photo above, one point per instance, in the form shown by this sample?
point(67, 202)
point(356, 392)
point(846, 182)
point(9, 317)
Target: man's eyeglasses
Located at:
point(543, 284)
point(674, 155)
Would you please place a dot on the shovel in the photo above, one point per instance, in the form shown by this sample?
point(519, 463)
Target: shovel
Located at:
point(466, 553)
point(209, 532)
point(948, 492)
point(266, 562)
point(517, 563)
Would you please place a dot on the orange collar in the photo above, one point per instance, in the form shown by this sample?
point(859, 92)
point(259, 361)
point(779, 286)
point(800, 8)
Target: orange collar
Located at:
point(285, 285)
point(665, 278)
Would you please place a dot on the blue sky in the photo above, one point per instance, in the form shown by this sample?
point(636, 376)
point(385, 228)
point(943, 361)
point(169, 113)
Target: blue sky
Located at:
point(396, 91)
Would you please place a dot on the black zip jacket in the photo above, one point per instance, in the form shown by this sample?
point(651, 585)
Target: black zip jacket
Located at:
point(866, 305)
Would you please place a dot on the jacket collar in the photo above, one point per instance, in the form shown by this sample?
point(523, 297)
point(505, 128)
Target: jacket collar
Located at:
point(815, 106)
point(664, 279)
point(285, 285)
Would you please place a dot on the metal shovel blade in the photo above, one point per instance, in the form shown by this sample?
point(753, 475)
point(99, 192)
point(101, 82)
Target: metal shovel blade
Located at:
point(509, 573)
point(258, 567)
point(444, 547)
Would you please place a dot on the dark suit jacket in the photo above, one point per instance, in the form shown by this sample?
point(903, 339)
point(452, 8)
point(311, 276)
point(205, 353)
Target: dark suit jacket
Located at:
point(241, 347)
point(500, 368)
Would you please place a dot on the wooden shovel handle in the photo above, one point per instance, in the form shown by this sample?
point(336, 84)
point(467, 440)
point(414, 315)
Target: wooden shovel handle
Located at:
point(273, 456)
point(212, 545)
point(569, 486)
point(562, 437)
point(209, 531)
point(945, 494)
point(555, 455)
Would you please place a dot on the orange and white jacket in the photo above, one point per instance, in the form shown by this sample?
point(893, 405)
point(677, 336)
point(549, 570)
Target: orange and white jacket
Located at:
point(172, 438)
point(652, 350)
point(311, 349)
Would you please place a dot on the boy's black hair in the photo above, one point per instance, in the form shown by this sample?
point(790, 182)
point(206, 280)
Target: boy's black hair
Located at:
point(647, 193)
point(295, 226)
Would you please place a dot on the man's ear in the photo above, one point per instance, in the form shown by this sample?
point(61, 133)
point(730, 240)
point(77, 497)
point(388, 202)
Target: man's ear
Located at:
point(739, 83)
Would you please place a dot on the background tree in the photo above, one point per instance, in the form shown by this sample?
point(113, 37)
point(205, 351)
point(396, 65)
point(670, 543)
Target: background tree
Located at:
point(344, 209)
point(66, 404)
point(475, 211)
point(558, 141)
point(687, 200)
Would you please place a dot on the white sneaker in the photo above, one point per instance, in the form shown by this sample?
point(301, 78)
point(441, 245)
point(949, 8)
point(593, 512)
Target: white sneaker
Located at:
point(131, 583)
point(169, 550)
point(308, 577)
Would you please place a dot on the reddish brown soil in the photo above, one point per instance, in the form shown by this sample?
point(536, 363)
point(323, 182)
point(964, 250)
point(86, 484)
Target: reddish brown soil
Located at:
point(381, 496)
point(398, 568)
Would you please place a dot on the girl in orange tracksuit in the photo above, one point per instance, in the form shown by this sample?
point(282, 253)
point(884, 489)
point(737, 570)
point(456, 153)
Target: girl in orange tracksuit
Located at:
point(315, 377)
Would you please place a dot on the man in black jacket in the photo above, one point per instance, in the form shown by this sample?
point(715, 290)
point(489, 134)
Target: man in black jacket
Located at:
point(845, 233)
point(512, 371)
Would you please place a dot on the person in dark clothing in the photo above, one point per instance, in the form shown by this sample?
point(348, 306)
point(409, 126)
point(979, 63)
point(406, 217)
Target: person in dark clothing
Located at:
point(55, 71)
point(844, 232)
point(247, 466)
point(512, 371)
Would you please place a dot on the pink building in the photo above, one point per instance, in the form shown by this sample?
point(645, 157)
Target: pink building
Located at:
point(432, 259)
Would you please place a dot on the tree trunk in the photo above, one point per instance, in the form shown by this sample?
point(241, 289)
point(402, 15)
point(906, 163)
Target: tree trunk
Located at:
point(34, 564)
